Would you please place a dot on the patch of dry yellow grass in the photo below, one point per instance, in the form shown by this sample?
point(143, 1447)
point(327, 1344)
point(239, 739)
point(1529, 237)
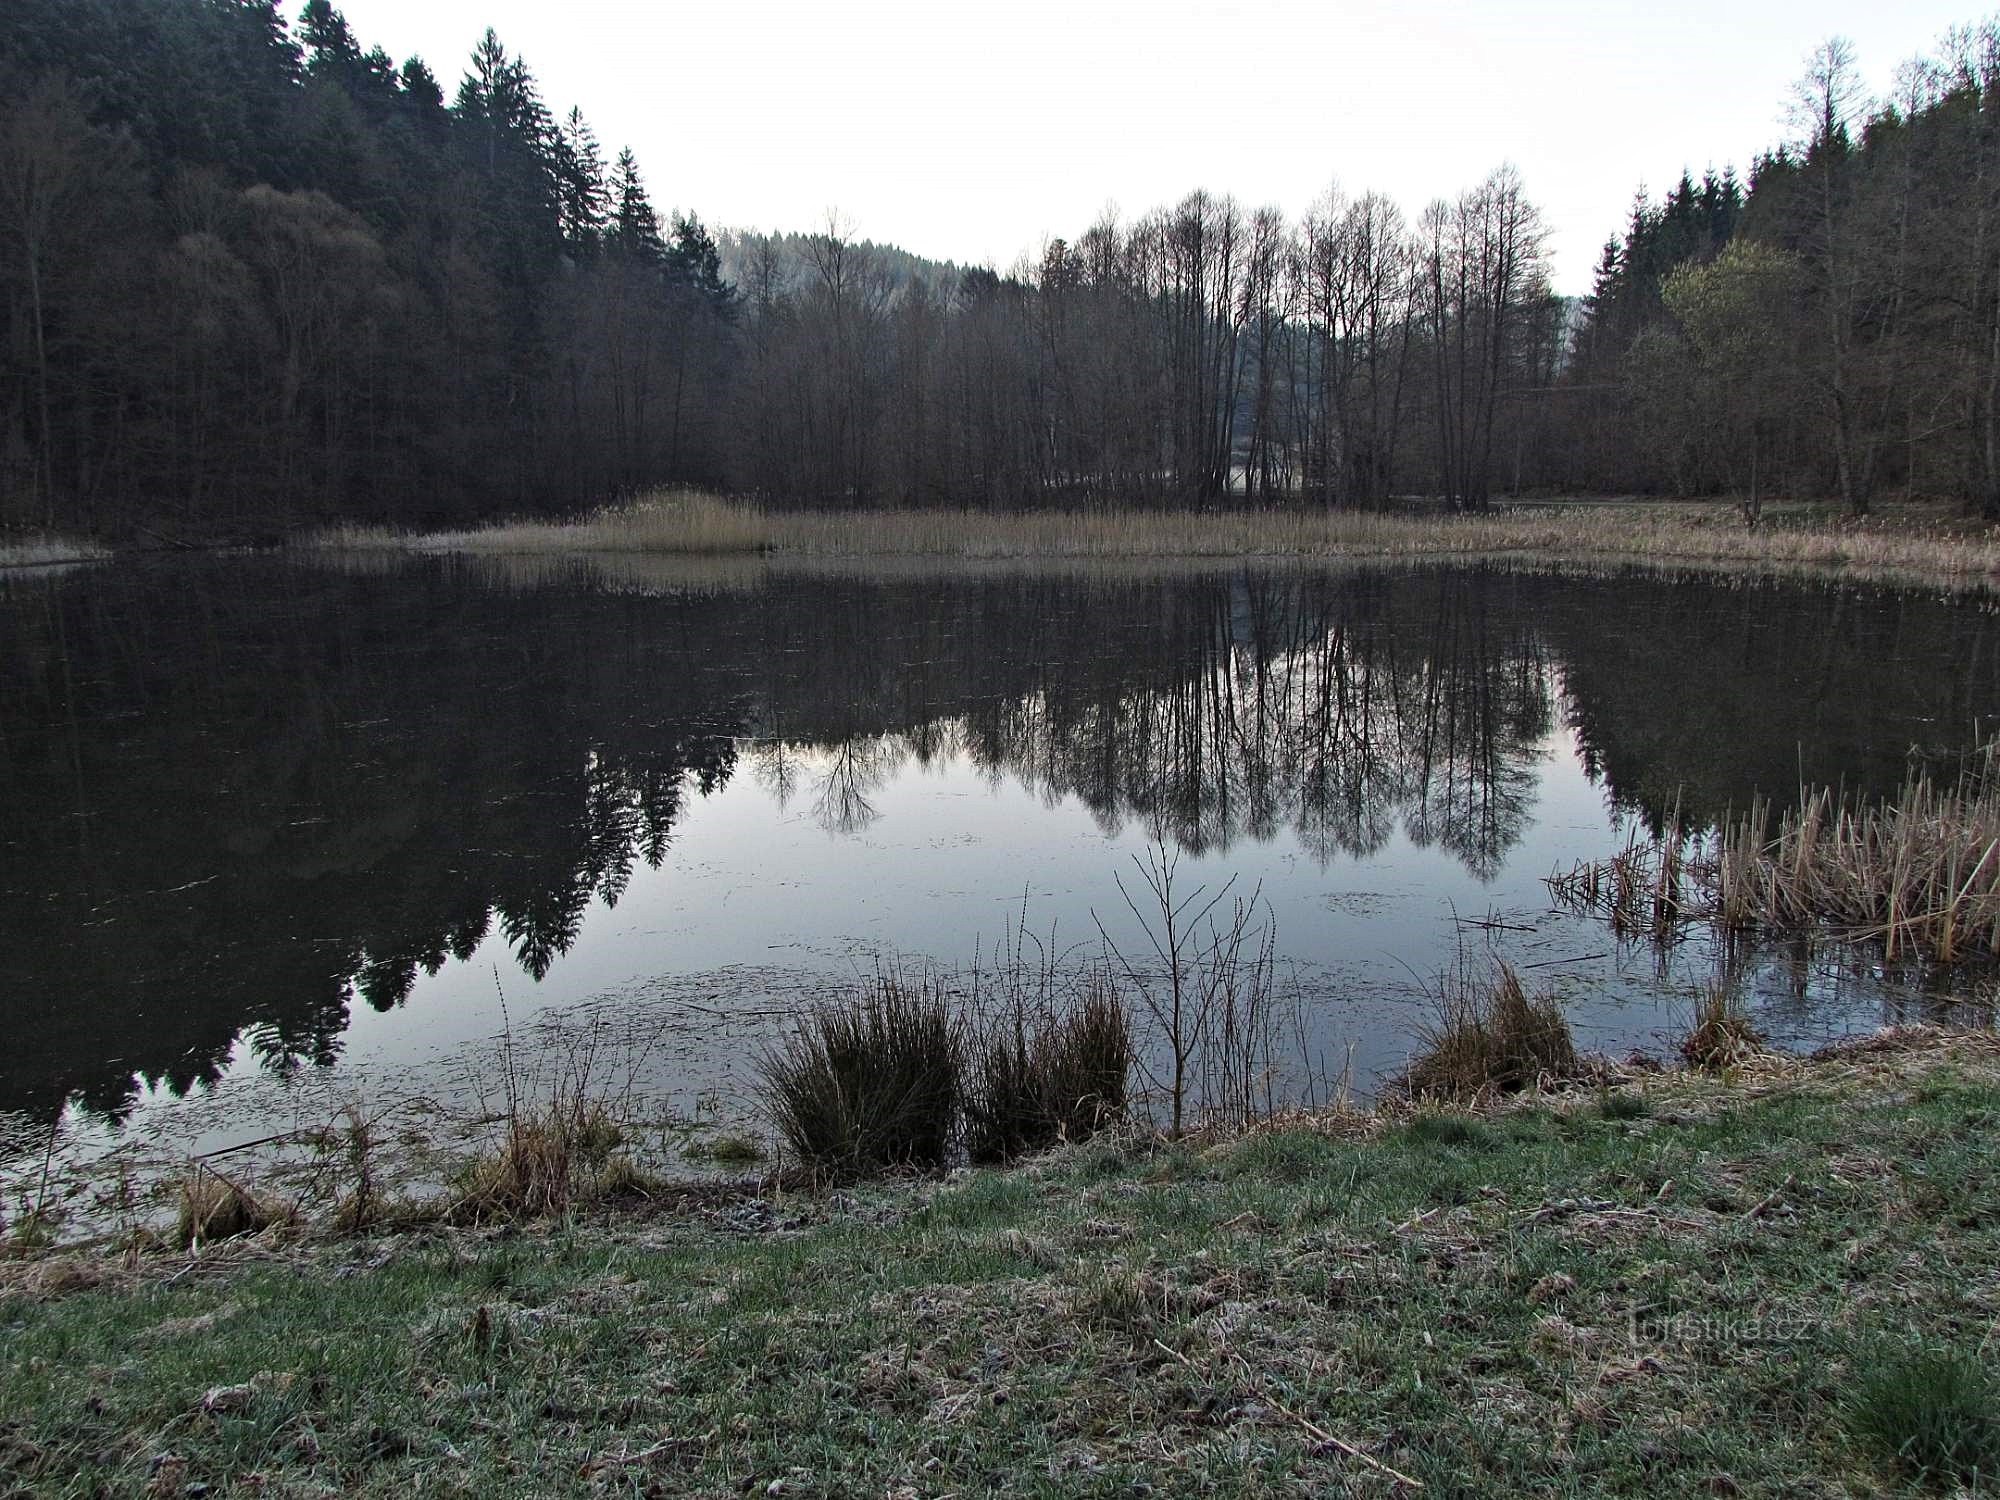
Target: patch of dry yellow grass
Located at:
point(1899, 549)
point(47, 552)
point(676, 521)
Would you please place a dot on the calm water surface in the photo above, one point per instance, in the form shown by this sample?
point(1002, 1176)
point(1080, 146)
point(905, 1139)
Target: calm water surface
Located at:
point(273, 835)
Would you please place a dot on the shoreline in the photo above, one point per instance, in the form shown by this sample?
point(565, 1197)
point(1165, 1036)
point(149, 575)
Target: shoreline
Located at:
point(1921, 547)
point(1673, 1282)
point(1901, 545)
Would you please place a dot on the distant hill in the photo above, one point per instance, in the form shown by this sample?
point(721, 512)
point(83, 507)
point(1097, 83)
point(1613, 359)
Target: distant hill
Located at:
point(739, 247)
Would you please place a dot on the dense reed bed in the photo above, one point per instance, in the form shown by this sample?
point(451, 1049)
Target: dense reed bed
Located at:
point(1919, 873)
point(1914, 547)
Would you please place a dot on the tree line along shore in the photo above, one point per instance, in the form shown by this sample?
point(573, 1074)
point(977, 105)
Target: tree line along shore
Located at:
point(261, 276)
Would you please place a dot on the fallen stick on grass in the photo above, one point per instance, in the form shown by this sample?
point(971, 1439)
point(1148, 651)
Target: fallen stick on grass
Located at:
point(1312, 1429)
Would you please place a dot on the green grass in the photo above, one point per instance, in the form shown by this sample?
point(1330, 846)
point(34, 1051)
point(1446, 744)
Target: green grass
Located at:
point(1933, 1411)
point(1770, 1286)
point(1623, 1104)
point(1448, 1130)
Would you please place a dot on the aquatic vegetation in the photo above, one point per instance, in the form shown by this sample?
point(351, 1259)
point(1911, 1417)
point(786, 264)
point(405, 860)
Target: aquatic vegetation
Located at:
point(1917, 873)
point(726, 1150)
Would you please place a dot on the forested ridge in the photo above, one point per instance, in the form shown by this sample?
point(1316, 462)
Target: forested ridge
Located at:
point(257, 275)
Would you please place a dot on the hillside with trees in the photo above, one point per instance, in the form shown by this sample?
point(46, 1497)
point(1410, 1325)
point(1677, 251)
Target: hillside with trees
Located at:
point(256, 277)
point(255, 273)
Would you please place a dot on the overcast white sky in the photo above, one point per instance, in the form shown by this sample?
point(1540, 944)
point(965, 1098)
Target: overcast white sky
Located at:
point(972, 133)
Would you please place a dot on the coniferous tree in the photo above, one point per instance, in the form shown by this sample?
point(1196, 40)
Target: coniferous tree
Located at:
point(694, 261)
point(635, 226)
point(583, 195)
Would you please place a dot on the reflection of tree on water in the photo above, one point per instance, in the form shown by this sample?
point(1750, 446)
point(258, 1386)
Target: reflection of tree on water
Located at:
point(306, 790)
point(1338, 711)
point(233, 799)
point(852, 770)
point(1791, 985)
point(777, 767)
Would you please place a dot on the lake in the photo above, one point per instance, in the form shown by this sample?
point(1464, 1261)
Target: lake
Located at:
point(278, 833)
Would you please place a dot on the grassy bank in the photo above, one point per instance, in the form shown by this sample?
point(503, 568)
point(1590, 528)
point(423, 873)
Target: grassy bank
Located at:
point(1908, 545)
point(1752, 1284)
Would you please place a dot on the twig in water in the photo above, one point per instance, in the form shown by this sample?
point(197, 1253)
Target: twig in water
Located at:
point(1583, 958)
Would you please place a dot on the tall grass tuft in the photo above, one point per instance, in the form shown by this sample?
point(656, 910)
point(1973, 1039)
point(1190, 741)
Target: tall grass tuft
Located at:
point(872, 1084)
point(1040, 1078)
point(558, 1134)
point(1089, 1062)
point(1492, 1038)
point(1934, 1412)
point(548, 1158)
point(1722, 1035)
point(209, 1206)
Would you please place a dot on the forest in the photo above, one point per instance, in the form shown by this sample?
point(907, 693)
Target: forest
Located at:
point(258, 277)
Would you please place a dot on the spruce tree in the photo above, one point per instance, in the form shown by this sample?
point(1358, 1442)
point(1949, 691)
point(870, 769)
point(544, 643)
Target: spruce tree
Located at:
point(582, 194)
point(635, 227)
point(696, 263)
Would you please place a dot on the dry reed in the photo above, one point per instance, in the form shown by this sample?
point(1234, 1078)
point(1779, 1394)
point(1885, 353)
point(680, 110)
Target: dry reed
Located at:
point(1919, 873)
point(548, 1160)
point(1668, 535)
point(676, 521)
point(48, 551)
point(1721, 1036)
point(1647, 889)
point(563, 1124)
point(210, 1206)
